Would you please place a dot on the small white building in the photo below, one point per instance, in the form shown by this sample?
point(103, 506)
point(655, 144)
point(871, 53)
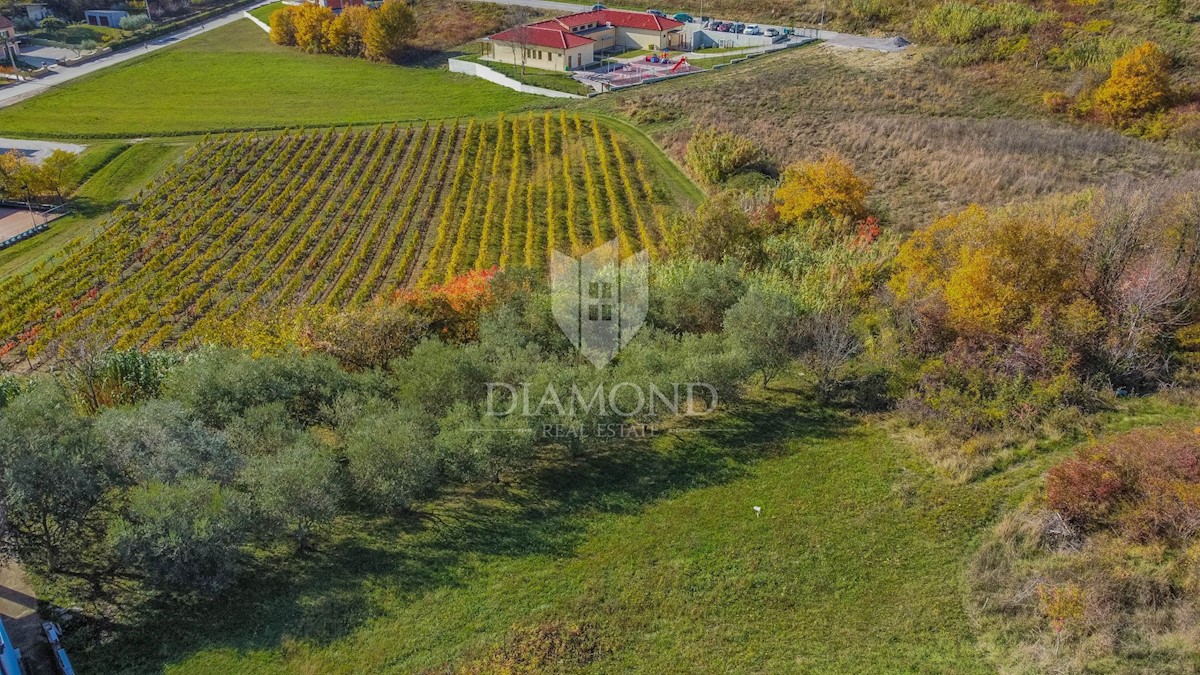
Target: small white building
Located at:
point(36, 11)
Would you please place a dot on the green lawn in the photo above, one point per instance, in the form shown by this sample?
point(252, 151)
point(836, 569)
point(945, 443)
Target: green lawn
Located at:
point(854, 566)
point(116, 172)
point(264, 13)
point(558, 80)
point(234, 78)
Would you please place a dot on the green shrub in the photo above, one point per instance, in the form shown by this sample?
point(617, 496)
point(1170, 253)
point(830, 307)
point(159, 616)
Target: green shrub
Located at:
point(716, 156)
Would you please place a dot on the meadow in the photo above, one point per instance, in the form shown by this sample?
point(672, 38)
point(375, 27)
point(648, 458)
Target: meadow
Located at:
point(653, 551)
point(234, 78)
point(932, 139)
point(252, 227)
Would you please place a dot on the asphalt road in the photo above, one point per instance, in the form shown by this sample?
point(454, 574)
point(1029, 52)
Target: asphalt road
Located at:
point(19, 92)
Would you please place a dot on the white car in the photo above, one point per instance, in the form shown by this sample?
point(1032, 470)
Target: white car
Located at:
point(753, 29)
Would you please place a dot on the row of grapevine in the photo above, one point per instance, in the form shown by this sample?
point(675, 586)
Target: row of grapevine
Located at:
point(248, 229)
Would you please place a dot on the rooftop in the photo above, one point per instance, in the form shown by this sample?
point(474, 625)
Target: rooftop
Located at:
point(542, 37)
point(560, 32)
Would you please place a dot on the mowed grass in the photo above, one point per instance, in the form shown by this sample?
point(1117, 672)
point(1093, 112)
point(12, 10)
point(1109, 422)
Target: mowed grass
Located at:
point(234, 78)
point(264, 13)
point(854, 566)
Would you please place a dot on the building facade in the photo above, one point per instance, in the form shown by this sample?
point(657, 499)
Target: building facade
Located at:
point(577, 40)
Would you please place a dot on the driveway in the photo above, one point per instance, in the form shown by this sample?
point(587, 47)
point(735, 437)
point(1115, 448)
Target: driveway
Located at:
point(19, 92)
point(45, 56)
point(36, 150)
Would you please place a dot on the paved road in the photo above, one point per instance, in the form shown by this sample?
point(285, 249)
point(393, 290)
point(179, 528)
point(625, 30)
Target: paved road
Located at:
point(19, 92)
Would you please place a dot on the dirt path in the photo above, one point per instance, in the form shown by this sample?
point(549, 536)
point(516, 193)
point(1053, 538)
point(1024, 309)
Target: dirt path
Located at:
point(18, 609)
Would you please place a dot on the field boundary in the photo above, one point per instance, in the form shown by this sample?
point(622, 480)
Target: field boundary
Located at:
point(257, 21)
point(481, 71)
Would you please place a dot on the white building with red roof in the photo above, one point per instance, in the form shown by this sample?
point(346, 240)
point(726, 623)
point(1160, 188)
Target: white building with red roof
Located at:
point(574, 40)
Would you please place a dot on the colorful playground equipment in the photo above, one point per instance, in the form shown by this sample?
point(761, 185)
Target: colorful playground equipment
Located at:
point(665, 59)
point(10, 656)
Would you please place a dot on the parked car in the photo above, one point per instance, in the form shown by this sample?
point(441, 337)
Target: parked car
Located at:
point(656, 12)
point(723, 27)
point(753, 29)
point(737, 28)
point(771, 32)
point(598, 7)
point(685, 18)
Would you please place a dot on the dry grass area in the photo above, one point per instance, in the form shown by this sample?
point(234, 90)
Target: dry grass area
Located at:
point(933, 139)
point(446, 24)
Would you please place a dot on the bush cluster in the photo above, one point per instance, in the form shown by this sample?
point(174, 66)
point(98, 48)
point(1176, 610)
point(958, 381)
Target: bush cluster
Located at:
point(378, 34)
point(176, 474)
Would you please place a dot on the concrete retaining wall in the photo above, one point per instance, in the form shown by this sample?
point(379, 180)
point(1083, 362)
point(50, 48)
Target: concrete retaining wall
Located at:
point(482, 71)
point(253, 18)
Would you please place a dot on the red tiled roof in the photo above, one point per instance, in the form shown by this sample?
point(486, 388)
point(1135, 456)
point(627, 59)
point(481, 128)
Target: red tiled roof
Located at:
point(5, 22)
point(542, 37)
point(617, 17)
point(556, 33)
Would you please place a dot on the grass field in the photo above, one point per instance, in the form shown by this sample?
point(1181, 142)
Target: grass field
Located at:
point(249, 226)
point(234, 78)
point(547, 79)
point(264, 13)
point(854, 566)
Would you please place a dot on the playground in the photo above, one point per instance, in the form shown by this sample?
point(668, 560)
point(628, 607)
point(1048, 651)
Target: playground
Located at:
point(652, 66)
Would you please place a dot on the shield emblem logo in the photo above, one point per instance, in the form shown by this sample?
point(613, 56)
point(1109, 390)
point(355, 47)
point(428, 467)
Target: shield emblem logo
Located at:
point(599, 300)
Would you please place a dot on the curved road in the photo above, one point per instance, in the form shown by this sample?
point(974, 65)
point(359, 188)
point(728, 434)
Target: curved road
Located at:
point(19, 92)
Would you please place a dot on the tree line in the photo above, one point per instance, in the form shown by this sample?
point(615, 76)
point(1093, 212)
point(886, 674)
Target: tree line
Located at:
point(381, 34)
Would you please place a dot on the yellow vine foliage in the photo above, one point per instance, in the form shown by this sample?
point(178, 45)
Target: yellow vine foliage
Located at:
point(828, 187)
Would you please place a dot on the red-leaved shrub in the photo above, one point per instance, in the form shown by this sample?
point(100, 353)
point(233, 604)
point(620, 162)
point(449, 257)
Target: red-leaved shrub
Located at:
point(1144, 485)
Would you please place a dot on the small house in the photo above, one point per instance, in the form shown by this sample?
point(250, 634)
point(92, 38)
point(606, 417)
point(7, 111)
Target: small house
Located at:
point(36, 11)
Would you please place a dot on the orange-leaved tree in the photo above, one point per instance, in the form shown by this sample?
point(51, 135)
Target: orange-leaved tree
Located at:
point(453, 308)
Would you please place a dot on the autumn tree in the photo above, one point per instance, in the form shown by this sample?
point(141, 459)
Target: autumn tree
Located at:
point(1139, 84)
point(369, 337)
point(311, 24)
point(390, 29)
point(58, 174)
point(827, 189)
point(994, 271)
point(345, 34)
point(283, 26)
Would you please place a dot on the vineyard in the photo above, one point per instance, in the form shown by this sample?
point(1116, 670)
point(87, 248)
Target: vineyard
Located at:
point(253, 228)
